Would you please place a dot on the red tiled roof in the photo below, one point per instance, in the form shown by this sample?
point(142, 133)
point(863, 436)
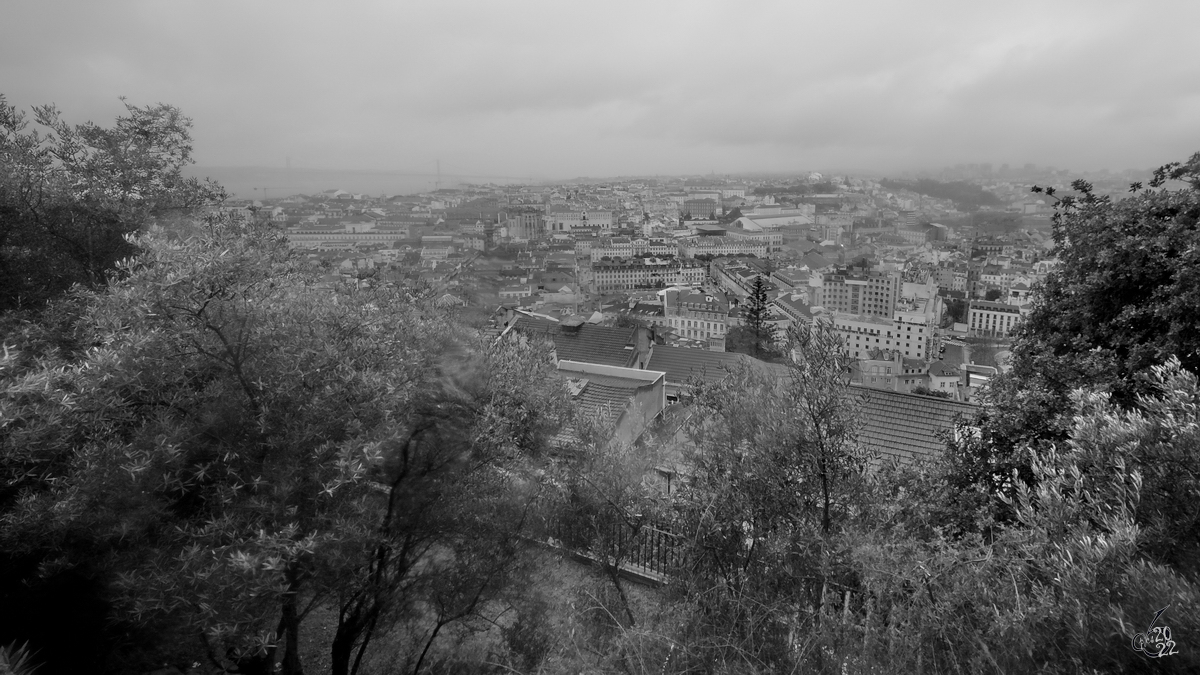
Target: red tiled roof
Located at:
point(600, 399)
point(680, 363)
point(941, 369)
point(903, 426)
point(605, 398)
point(588, 344)
point(815, 261)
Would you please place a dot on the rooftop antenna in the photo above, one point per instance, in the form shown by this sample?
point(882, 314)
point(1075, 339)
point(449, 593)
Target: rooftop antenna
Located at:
point(438, 185)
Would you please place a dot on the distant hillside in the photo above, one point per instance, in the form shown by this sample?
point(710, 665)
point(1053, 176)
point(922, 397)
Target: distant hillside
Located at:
point(966, 196)
point(797, 189)
point(273, 182)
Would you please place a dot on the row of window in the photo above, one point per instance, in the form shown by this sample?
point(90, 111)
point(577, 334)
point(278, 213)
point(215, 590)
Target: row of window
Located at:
point(688, 323)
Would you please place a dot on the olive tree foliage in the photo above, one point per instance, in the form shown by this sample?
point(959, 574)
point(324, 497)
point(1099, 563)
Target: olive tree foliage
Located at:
point(70, 193)
point(462, 481)
point(1123, 297)
point(775, 474)
point(1066, 587)
point(1121, 300)
point(240, 445)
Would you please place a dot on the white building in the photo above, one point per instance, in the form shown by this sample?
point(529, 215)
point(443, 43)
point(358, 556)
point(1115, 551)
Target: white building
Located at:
point(694, 246)
point(627, 275)
point(862, 333)
point(992, 319)
point(699, 315)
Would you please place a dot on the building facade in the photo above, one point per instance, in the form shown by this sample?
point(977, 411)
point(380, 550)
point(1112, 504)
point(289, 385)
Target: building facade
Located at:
point(861, 334)
point(314, 236)
point(697, 315)
point(728, 245)
point(626, 247)
point(642, 273)
point(525, 225)
point(579, 220)
point(992, 319)
point(867, 293)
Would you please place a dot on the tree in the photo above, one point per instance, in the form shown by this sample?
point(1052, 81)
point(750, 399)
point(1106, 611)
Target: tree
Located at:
point(1121, 301)
point(455, 515)
point(739, 339)
point(992, 294)
point(966, 196)
point(70, 195)
point(926, 391)
point(1066, 590)
point(607, 498)
point(774, 476)
point(242, 446)
point(624, 320)
point(758, 318)
point(1138, 311)
point(956, 312)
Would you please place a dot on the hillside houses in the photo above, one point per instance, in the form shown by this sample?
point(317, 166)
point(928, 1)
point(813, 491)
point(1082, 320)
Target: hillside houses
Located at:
point(879, 264)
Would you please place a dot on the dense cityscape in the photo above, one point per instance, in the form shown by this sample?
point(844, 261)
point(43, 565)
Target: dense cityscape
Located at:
point(880, 262)
point(622, 338)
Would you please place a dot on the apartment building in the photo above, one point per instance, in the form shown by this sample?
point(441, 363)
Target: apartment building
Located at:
point(992, 319)
point(913, 236)
point(792, 279)
point(627, 247)
point(952, 276)
point(867, 292)
point(913, 330)
point(700, 209)
point(739, 278)
point(316, 236)
point(632, 274)
point(795, 308)
point(861, 334)
point(727, 245)
point(698, 315)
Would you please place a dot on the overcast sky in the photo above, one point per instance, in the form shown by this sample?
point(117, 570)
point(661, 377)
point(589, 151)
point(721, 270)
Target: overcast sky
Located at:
point(568, 88)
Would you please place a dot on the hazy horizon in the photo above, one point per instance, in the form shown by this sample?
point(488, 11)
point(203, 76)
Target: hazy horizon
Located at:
point(537, 91)
point(261, 182)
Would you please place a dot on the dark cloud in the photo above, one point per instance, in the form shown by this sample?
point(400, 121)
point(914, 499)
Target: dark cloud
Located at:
point(563, 89)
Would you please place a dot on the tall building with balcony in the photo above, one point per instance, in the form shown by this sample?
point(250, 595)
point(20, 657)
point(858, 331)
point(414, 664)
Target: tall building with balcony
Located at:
point(868, 293)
